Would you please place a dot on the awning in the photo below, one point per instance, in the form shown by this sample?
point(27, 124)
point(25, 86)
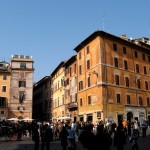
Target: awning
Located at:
point(64, 118)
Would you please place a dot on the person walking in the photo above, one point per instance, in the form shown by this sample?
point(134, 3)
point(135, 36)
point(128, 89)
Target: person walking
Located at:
point(63, 138)
point(46, 136)
point(71, 138)
point(102, 139)
point(87, 137)
point(35, 136)
point(144, 128)
point(129, 126)
point(133, 139)
point(119, 137)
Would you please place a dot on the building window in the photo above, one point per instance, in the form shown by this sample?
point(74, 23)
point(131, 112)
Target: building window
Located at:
point(127, 81)
point(137, 68)
point(149, 58)
point(2, 101)
point(148, 101)
point(22, 65)
point(145, 71)
point(88, 49)
point(116, 62)
point(114, 47)
point(140, 101)
point(3, 88)
point(135, 54)
point(117, 79)
point(128, 99)
point(146, 85)
point(138, 83)
point(79, 55)
point(4, 77)
point(80, 85)
point(63, 100)
point(88, 64)
point(68, 81)
point(124, 50)
point(62, 82)
point(70, 72)
point(22, 83)
point(89, 81)
point(80, 69)
point(118, 98)
point(125, 65)
point(76, 98)
point(81, 102)
point(143, 56)
point(74, 68)
point(89, 100)
point(2, 112)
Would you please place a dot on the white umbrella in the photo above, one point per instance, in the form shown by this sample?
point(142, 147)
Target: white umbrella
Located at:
point(13, 119)
point(27, 119)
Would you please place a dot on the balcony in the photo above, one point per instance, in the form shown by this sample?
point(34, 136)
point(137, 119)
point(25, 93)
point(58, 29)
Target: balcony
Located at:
point(72, 105)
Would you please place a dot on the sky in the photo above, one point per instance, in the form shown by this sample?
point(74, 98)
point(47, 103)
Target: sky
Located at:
point(49, 30)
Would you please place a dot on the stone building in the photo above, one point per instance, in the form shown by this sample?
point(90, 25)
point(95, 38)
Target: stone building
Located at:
point(21, 86)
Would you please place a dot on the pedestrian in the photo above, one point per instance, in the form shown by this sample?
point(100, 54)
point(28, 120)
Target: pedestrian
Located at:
point(102, 138)
point(137, 127)
point(71, 138)
point(144, 128)
point(87, 137)
point(19, 132)
point(63, 138)
point(35, 136)
point(46, 136)
point(129, 126)
point(125, 124)
point(119, 137)
point(133, 140)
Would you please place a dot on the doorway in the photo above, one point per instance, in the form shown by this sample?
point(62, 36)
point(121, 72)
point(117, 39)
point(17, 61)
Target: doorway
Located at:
point(130, 116)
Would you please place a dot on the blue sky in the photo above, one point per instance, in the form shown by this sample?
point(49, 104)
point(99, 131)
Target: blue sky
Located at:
point(49, 30)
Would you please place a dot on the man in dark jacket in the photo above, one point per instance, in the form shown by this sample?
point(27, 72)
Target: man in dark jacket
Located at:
point(87, 138)
point(119, 137)
point(46, 136)
point(103, 139)
point(35, 136)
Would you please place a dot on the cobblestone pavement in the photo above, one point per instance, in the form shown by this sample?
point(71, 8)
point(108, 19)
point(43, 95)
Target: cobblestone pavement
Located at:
point(28, 144)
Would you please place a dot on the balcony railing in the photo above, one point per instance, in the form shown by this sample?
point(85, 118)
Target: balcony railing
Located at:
point(72, 105)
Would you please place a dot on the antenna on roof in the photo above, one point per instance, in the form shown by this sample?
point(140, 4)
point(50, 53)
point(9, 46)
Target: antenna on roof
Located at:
point(103, 20)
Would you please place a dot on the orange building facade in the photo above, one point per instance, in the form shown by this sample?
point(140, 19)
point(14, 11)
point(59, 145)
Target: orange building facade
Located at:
point(113, 78)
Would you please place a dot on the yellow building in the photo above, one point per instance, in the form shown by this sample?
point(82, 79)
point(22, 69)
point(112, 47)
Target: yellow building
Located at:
point(71, 88)
point(58, 100)
point(113, 78)
point(5, 75)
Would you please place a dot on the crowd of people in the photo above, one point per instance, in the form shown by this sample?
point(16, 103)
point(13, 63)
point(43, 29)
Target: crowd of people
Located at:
point(92, 136)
